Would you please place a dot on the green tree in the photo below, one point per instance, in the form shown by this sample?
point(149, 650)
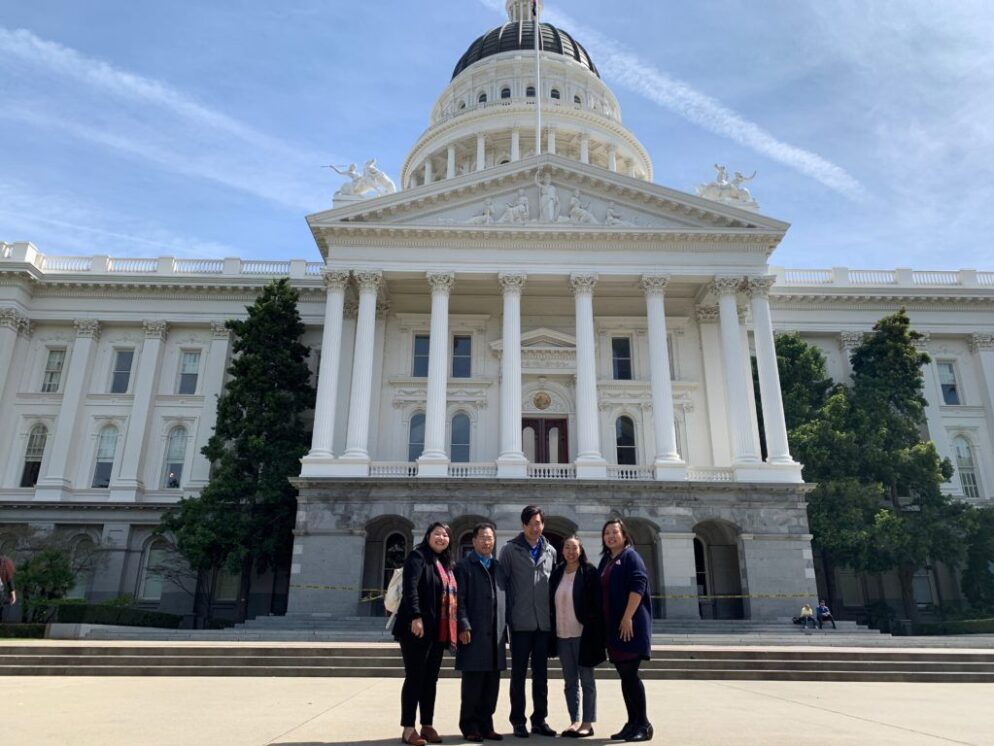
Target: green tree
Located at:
point(804, 381)
point(244, 517)
point(977, 580)
point(46, 576)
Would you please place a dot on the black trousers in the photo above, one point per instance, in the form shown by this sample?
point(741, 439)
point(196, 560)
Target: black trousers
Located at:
point(479, 701)
point(527, 646)
point(422, 661)
point(633, 691)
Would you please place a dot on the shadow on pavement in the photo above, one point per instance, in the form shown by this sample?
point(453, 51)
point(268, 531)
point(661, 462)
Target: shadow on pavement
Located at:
point(454, 740)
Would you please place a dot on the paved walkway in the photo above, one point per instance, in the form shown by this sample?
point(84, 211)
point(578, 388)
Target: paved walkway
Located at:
point(152, 711)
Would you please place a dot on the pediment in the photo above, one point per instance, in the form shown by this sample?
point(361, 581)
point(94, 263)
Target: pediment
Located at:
point(542, 338)
point(544, 194)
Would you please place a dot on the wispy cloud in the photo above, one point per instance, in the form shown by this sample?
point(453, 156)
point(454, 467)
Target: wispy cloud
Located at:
point(627, 69)
point(149, 119)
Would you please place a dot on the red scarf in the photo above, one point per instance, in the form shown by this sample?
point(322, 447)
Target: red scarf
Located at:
point(447, 619)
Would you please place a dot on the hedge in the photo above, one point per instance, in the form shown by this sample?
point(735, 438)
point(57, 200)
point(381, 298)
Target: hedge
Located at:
point(83, 613)
point(12, 631)
point(959, 627)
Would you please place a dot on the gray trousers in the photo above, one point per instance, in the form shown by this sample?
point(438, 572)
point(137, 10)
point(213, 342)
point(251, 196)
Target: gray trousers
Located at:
point(577, 677)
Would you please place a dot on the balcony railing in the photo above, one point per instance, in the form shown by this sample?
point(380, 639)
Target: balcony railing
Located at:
point(551, 471)
point(710, 474)
point(892, 278)
point(473, 470)
point(396, 469)
point(633, 473)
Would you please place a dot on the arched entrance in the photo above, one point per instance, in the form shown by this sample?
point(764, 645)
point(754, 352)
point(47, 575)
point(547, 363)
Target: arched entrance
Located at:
point(644, 537)
point(389, 539)
point(716, 560)
point(557, 530)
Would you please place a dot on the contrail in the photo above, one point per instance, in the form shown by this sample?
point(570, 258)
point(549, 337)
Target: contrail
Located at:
point(682, 99)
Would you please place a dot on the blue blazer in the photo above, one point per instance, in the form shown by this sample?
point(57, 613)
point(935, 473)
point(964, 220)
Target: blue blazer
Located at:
point(628, 576)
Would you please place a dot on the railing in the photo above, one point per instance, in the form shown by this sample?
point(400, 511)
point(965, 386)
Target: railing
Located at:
point(932, 277)
point(6, 249)
point(548, 104)
point(394, 469)
point(901, 277)
point(198, 266)
point(872, 277)
point(314, 269)
point(985, 278)
point(710, 474)
point(473, 470)
point(615, 471)
point(551, 471)
point(807, 276)
point(133, 265)
point(265, 268)
point(67, 263)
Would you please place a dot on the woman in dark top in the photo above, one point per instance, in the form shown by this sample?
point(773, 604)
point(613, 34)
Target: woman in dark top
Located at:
point(578, 624)
point(425, 626)
point(628, 623)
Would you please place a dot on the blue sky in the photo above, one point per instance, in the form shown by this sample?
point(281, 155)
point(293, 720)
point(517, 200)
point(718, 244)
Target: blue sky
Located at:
point(199, 129)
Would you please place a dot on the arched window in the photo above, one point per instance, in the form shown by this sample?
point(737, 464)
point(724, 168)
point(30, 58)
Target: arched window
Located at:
point(530, 91)
point(462, 105)
point(555, 94)
point(482, 99)
point(624, 434)
point(83, 566)
point(106, 448)
point(465, 544)
point(33, 455)
point(459, 448)
point(505, 93)
point(172, 473)
point(394, 554)
point(966, 466)
point(152, 576)
point(577, 100)
point(416, 437)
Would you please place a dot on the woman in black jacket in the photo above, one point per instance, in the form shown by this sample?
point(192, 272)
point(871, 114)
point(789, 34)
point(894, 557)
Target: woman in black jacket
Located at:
point(425, 626)
point(578, 624)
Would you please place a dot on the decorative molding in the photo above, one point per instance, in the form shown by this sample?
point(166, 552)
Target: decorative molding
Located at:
point(11, 318)
point(849, 341)
point(441, 282)
point(726, 285)
point(583, 282)
point(980, 342)
point(759, 286)
point(383, 308)
point(706, 314)
point(219, 330)
point(511, 282)
point(155, 329)
point(87, 328)
point(654, 284)
point(921, 344)
point(368, 280)
point(335, 279)
point(351, 311)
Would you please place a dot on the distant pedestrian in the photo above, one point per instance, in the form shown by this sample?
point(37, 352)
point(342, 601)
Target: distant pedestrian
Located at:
point(807, 617)
point(481, 652)
point(528, 560)
point(425, 627)
point(823, 614)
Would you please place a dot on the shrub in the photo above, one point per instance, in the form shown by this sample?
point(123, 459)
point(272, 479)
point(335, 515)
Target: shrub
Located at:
point(960, 627)
point(80, 612)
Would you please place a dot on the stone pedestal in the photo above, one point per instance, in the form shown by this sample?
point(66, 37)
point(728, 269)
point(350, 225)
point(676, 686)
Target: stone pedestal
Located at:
point(780, 574)
point(679, 576)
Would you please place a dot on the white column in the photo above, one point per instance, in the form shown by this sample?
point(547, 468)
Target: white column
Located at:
point(668, 464)
point(848, 342)
point(515, 144)
point(612, 158)
point(933, 414)
point(481, 152)
point(12, 323)
point(128, 484)
point(551, 147)
point(428, 172)
point(590, 464)
point(214, 372)
point(736, 393)
point(434, 461)
point(584, 148)
point(512, 462)
point(355, 460)
point(55, 482)
point(450, 163)
point(774, 422)
point(315, 463)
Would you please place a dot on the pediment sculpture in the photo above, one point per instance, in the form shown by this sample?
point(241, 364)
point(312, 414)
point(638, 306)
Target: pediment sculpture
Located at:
point(551, 211)
point(729, 192)
point(371, 182)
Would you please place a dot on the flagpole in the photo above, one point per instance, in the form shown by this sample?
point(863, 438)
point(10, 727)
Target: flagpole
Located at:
point(538, 79)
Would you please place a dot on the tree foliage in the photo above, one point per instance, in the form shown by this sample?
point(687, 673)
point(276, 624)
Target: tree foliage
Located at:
point(978, 573)
point(47, 575)
point(244, 517)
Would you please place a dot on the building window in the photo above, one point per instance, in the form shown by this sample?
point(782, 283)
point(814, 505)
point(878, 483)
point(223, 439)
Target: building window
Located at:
point(947, 380)
point(577, 100)
point(189, 371)
point(483, 98)
point(121, 377)
point(966, 466)
point(153, 570)
point(462, 350)
point(505, 93)
point(459, 448)
point(172, 474)
point(624, 434)
point(419, 368)
point(227, 585)
point(416, 437)
point(33, 455)
point(83, 567)
point(530, 91)
point(106, 448)
point(621, 356)
point(53, 371)
point(555, 94)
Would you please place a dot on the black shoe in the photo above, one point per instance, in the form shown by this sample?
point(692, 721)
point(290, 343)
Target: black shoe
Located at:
point(543, 729)
point(622, 735)
point(584, 733)
point(641, 733)
point(521, 731)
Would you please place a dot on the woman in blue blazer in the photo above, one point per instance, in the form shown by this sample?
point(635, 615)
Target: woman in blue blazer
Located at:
point(628, 620)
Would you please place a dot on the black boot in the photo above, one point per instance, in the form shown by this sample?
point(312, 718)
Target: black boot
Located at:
point(622, 735)
point(641, 733)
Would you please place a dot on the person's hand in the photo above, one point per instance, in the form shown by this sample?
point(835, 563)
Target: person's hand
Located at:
point(625, 629)
point(13, 597)
point(465, 637)
point(417, 628)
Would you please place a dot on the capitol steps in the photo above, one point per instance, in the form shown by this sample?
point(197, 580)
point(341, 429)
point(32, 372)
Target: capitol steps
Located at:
point(360, 660)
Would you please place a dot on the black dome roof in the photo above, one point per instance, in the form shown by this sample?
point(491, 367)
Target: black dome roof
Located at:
point(521, 35)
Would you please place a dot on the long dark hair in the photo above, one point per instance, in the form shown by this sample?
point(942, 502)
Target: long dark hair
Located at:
point(605, 552)
point(583, 552)
point(445, 556)
point(6, 569)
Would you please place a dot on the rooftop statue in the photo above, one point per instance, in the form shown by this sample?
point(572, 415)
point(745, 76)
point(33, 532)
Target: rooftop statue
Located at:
point(548, 199)
point(729, 192)
point(372, 182)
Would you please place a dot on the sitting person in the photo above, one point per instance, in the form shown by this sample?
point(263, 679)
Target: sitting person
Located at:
point(807, 616)
point(823, 614)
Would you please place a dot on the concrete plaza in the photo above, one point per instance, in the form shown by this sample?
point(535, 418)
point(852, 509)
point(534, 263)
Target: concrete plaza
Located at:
point(164, 711)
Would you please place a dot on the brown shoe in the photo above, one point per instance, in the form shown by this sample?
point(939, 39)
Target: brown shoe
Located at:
point(413, 740)
point(430, 734)
point(493, 736)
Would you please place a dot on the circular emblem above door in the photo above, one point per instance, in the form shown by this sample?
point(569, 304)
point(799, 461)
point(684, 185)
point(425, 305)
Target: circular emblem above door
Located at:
point(541, 400)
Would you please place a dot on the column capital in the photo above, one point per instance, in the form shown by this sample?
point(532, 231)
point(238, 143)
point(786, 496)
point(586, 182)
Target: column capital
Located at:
point(980, 342)
point(368, 279)
point(11, 318)
point(582, 282)
point(156, 329)
point(706, 314)
point(220, 330)
point(726, 285)
point(351, 310)
point(849, 341)
point(382, 309)
point(335, 279)
point(441, 282)
point(759, 286)
point(87, 328)
point(511, 282)
point(654, 284)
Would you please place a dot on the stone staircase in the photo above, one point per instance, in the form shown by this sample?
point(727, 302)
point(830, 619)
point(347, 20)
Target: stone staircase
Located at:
point(383, 660)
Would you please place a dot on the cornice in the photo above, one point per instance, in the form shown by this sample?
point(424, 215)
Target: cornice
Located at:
point(71, 286)
point(863, 301)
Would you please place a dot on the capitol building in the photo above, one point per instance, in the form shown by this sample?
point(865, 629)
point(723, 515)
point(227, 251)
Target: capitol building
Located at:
point(529, 318)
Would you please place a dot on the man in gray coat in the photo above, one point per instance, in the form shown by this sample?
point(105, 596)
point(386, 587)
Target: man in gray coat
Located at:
point(527, 561)
point(482, 620)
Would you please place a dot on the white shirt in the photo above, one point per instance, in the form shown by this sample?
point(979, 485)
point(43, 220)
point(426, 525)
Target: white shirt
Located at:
point(567, 625)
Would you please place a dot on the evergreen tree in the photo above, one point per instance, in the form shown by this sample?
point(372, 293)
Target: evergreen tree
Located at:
point(244, 517)
point(978, 574)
